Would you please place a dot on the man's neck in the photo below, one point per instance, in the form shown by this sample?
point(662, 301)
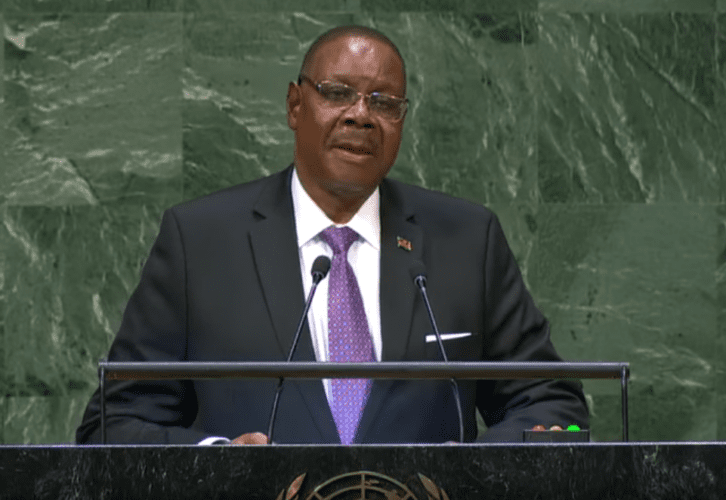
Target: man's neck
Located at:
point(309, 215)
point(340, 207)
point(341, 213)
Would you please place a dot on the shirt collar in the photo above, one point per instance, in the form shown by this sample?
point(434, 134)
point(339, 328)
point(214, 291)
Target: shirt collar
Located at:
point(310, 220)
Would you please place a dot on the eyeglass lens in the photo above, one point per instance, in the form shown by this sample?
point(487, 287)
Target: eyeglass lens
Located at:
point(340, 93)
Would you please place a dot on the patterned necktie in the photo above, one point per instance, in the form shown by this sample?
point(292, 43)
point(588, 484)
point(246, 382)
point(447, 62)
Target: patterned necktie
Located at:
point(348, 337)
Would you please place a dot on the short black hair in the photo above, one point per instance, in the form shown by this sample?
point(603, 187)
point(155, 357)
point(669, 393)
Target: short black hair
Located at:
point(343, 31)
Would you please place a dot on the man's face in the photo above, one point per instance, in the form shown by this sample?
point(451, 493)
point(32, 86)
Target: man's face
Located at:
point(345, 151)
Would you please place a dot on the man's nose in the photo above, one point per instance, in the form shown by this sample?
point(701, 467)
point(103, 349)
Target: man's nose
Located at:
point(359, 113)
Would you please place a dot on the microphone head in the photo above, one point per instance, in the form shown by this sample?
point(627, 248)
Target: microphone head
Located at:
point(320, 269)
point(418, 272)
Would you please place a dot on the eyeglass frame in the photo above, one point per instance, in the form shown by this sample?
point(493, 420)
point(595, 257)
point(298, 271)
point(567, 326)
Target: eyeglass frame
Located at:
point(366, 97)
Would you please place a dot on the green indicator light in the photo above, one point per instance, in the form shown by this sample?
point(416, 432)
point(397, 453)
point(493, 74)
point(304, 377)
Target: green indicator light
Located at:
point(573, 428)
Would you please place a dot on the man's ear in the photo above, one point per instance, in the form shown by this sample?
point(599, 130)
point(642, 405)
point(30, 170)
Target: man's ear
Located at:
point(294, 100)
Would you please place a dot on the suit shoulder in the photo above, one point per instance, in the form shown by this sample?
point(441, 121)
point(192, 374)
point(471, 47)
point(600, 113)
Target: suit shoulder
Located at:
point(239, 199)
point(237, 194)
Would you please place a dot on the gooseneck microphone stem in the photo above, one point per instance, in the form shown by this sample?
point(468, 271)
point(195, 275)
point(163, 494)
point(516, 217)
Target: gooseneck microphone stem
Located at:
point(320, 269)
point(421, 283)
point(420, 279)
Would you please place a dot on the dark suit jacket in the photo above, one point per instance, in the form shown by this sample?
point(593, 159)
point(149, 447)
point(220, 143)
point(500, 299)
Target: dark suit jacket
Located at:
point(222, 283)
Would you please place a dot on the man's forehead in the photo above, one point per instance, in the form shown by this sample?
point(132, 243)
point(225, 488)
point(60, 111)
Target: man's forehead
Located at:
point(347, 44)
point(359, 45)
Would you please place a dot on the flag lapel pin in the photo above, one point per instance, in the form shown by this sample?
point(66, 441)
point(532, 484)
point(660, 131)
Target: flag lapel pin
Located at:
point(404, 243)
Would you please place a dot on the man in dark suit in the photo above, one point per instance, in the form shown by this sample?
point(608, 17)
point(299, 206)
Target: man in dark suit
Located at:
point(228, 273)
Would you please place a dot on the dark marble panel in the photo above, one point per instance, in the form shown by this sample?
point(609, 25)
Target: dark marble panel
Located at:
point(238, 67)
point(547, 472)
point(43, 419)
point(92, 5)
point(470, 133)
point(4, 241)
point(72, 272)
point(3, 255)
point(720, 344)
point(628, 6)
point(2, 68)
point(520, 224)
point(470, 130)
point(721, 249)
point(721, 5)
point(488, 6)
point(635, 283)
point(271, 6)
point(627, 108)
point(721, 95)
point(378, 6)
point(93, 109)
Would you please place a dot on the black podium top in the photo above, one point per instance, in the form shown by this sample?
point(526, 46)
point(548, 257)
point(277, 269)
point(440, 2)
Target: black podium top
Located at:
point(602, 471)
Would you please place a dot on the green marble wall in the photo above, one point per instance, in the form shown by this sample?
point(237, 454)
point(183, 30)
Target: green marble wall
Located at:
point(595, 129)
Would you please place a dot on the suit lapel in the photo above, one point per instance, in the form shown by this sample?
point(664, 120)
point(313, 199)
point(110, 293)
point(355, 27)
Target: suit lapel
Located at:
point(273, 240)
point(401, 245)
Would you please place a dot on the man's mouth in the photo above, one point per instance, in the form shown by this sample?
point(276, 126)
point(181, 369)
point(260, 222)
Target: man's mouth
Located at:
point(354, 147)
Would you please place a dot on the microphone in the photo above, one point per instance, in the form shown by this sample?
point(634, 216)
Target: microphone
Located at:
point(418, 274)
point(320, 269)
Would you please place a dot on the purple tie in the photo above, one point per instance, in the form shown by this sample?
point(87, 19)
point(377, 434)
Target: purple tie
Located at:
point(348, 337)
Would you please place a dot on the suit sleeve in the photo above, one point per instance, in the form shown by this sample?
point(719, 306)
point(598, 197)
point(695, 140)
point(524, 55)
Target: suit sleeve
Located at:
point(515, 330)
point(154, 328)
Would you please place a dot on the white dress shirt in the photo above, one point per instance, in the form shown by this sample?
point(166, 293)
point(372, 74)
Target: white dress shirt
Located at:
point(364, 257)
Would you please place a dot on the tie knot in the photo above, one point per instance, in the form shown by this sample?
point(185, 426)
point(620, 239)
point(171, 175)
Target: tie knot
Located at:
point(339, 238)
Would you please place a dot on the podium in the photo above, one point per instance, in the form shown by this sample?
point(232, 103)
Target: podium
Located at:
point(380, 472)
point(602, 471)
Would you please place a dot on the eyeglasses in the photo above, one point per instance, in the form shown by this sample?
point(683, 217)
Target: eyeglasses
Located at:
point(340, 94)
